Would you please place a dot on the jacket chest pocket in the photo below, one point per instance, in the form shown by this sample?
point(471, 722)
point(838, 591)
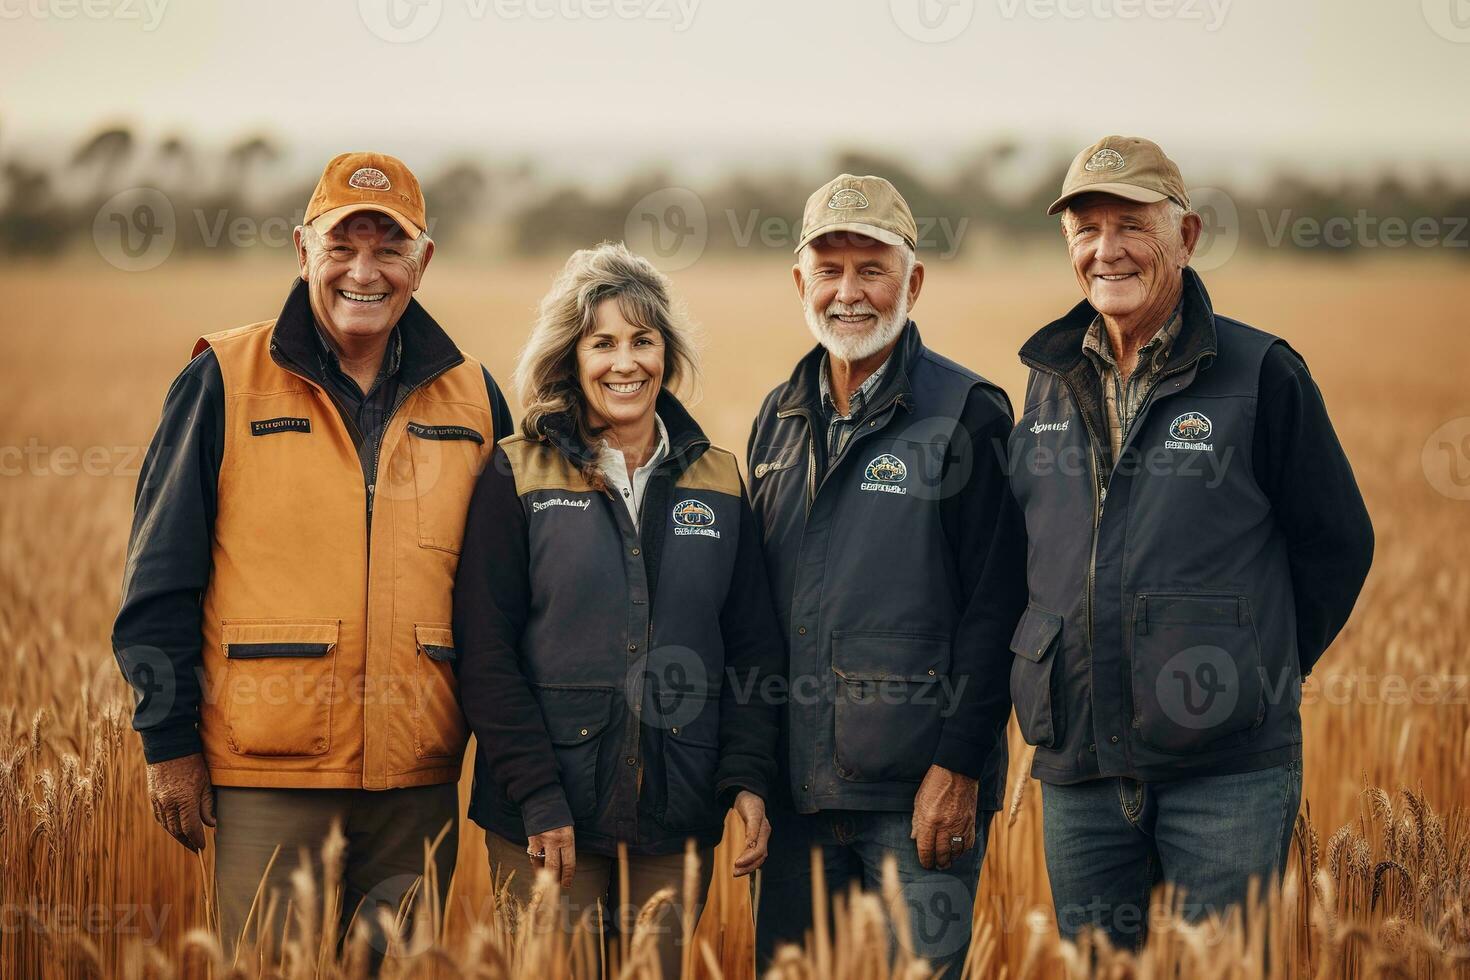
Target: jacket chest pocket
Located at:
point(438, 723)
point(1034, 677)
point(890, 703)
point(1196, 671)
point(446, 461)
point(279, 685)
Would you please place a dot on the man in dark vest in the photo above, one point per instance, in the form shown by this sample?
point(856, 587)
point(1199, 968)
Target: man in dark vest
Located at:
point(1196, 540)
point(895, 556)
point(285, 614)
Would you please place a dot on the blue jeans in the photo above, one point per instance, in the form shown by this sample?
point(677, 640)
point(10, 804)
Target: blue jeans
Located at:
point(853, 844)
point(1110, 840)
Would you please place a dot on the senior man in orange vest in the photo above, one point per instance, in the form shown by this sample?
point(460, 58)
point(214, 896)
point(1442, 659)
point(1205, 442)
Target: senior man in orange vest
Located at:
point(285, 618)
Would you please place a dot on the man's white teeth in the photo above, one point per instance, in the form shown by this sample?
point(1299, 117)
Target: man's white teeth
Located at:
point(362, 297)
point(626, 388)
point(1117, 276)
point(852, 317)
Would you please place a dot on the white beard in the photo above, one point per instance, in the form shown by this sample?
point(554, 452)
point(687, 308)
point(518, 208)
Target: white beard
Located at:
point(848, 346)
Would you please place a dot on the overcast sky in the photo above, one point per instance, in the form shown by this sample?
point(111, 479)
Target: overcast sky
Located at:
point(595, 86)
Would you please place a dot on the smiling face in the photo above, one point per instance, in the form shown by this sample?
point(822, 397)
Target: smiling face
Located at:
point(1128, 256)
point(361, 274)
point(856, 292)
point(621, 368)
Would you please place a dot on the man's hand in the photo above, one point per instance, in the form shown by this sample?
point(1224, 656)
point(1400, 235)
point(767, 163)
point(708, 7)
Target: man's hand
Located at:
point(556, 850)
point(182, 798)
point(752, 810)
point(943, 810)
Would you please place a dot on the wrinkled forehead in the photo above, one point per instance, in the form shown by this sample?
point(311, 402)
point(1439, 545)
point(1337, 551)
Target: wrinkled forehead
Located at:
point(1112, 206)
point(366, 226)
point(850, 246)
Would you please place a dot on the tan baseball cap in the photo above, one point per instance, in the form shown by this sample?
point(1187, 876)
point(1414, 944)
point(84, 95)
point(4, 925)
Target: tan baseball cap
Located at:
point(868, 206)
point(1125, 166)
point(367, 182)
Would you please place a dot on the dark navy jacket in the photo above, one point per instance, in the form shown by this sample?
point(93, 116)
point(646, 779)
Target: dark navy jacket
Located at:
point(1179, 593)
point(613, 672)
point(897, 573)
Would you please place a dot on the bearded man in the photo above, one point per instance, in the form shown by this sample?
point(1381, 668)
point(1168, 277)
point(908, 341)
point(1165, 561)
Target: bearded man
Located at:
point(897, 559)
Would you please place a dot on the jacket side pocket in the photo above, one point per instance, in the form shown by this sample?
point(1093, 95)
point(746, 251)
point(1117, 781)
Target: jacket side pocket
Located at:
point(438, 723)
point(1034, 680)
point(576, 718)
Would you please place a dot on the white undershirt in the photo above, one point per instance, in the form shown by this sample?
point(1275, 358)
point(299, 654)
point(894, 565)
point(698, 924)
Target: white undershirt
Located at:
point(614, 467)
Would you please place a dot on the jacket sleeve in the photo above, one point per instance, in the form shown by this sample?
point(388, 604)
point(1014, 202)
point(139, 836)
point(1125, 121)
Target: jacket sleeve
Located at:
point(1301, 467)
point(750, 718)
point(987, 539)
point(492, 598)
point(500, 415)
point(156, 637)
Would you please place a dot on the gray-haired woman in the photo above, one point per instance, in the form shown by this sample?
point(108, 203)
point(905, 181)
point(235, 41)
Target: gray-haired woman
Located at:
point(612, 610)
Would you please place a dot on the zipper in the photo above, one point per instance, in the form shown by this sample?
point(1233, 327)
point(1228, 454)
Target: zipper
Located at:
point(1099, 485)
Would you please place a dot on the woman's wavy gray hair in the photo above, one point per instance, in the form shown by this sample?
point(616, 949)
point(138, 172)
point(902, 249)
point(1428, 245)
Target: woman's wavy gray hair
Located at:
point(546, 374)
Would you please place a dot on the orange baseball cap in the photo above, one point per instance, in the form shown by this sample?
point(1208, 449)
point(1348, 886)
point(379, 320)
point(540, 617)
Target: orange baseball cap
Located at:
point(367, 182)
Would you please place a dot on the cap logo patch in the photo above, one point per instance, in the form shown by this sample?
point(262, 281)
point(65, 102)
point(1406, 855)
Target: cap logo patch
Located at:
point(369, 179)
point(848, 199)
point(1105, 161)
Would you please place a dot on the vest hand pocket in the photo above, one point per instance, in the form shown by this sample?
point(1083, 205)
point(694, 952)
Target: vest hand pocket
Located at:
point(890, 703)
point(438, 723)
point(1034, 679)
point(280, 685)
point(1196, 672)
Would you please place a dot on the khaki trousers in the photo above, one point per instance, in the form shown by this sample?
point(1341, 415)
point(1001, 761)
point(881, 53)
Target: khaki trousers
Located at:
point(386, 835)
point(597, 882)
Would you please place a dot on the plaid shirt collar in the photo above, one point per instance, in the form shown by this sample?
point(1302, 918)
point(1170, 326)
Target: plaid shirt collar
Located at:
point(855, 401)
point(1154, 353)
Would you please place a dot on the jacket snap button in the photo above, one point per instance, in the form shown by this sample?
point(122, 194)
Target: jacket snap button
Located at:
point(1114, 740)
point(631, 761)
point(633, 648)
point(1092, 747)
point(931, 671)
point(636, 552)
point(675, 729)
point(584, 731)
point(801, 630)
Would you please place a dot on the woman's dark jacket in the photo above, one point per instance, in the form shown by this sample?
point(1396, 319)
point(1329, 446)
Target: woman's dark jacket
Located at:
point(616, 677)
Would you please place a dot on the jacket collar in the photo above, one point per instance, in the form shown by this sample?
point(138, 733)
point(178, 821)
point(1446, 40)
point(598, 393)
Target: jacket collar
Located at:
point(1057, 347)
point(687, 441)
point(804, 387)
point(426, 351)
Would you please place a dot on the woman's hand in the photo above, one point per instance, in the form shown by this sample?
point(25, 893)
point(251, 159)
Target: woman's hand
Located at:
point(752, 810)
point(554, 849)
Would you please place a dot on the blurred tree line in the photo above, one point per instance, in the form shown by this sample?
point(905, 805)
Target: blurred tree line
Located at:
point(225, 200)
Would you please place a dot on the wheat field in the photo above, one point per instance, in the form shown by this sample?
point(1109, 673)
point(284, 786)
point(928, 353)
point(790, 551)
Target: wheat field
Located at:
point(1379, 882)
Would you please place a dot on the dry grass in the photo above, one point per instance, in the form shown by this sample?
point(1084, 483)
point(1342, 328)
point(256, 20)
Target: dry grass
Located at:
point(1380, 878)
